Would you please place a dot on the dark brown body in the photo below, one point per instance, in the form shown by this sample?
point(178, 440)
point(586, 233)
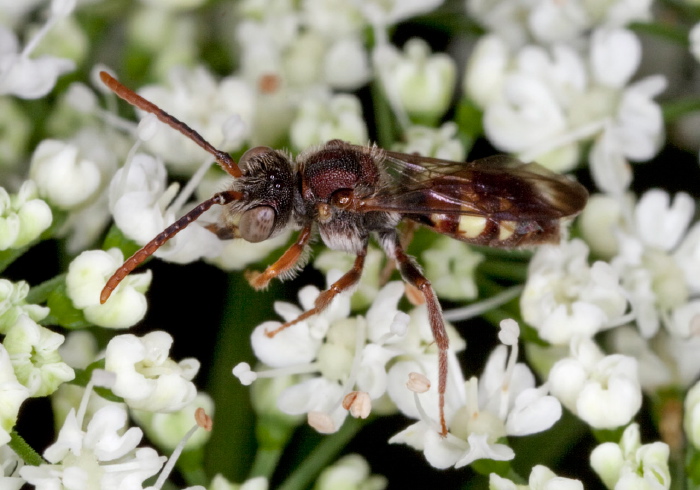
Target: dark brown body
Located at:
point(348, 193)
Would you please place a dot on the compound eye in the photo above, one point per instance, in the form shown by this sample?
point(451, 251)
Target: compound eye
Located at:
point(256, 224)
point(252, 153)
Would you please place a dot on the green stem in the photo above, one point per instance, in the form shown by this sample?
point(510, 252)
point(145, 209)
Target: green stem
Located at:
point(675, 34)
point(383, 117)
point(320, 457)
point(24, 450)
point(504, 269)
point(678, 108)
point(266, 462)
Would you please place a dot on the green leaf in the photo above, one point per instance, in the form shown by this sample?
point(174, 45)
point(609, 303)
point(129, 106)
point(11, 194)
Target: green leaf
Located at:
point(63, 313)
point(82, 378)
point(116, 239)
point(469, 119)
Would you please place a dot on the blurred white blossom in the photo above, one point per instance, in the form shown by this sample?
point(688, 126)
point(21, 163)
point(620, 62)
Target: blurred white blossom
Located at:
point(544, 21)
point(543, 103)
point(631, 464)
point(439, 142)
point(694, 38)
point(351, 472)
point(32, 78)
point(541, 478)
point(23, 216)
point(325, 117)
point(416, 82)
point(195, 96)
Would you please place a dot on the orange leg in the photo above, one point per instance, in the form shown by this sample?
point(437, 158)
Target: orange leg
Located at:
point(284, 264)
point(347, 281)
point(406, 238)
point(413, 276)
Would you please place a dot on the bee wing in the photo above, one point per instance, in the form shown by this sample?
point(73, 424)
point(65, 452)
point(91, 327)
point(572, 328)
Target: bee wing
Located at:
point(498, 188)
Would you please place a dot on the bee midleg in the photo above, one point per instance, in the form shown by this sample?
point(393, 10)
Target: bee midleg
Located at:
point(406, 238)
point(347, 281)
point(412, 274)
point(284, 264)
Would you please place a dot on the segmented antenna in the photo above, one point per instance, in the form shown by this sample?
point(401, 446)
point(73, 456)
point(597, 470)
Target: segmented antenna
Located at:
point(172, 230)
point(223, 158)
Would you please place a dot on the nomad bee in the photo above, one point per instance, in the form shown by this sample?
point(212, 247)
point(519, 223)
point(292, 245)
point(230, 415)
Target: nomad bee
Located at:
point(347, 193)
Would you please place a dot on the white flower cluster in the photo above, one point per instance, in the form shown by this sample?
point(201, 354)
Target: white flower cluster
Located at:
point(348, 364)
point(32, 78)
point(545, 103)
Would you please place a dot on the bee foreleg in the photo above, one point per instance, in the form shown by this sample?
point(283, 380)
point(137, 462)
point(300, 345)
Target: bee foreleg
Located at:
point(346, 282)
point(284, 264)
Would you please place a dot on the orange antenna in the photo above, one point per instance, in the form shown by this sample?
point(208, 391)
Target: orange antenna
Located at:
point(223, 158)
point(172, 230)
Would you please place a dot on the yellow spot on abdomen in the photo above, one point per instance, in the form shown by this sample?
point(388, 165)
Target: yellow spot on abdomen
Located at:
point(471, 226)
point(506, 230)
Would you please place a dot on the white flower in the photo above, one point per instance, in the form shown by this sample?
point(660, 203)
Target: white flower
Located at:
point(564, 297)
point(630, 464)
point(23, 216)
point(10, 467)
point(657, 259)
point(665, 361)
point(13, 304)
point(599, 222)
point(339, 355)
point(604, 391)
point(325, 117)
point(549, 22)
point(543, 104)
point(541, 478)
point(64, 177)
point(33, 350)
point(88, 274)
point(104, 455)
point(694, 37)
point(30, 78)
point(147, 378)
point(503, 402)
point(206, 105)
point(439, 142)
point(350, 472)
point(416, 82)
point(219, 482)
point(346, 64)
point(12, 395)
point(138, 199)
point(382, 14)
